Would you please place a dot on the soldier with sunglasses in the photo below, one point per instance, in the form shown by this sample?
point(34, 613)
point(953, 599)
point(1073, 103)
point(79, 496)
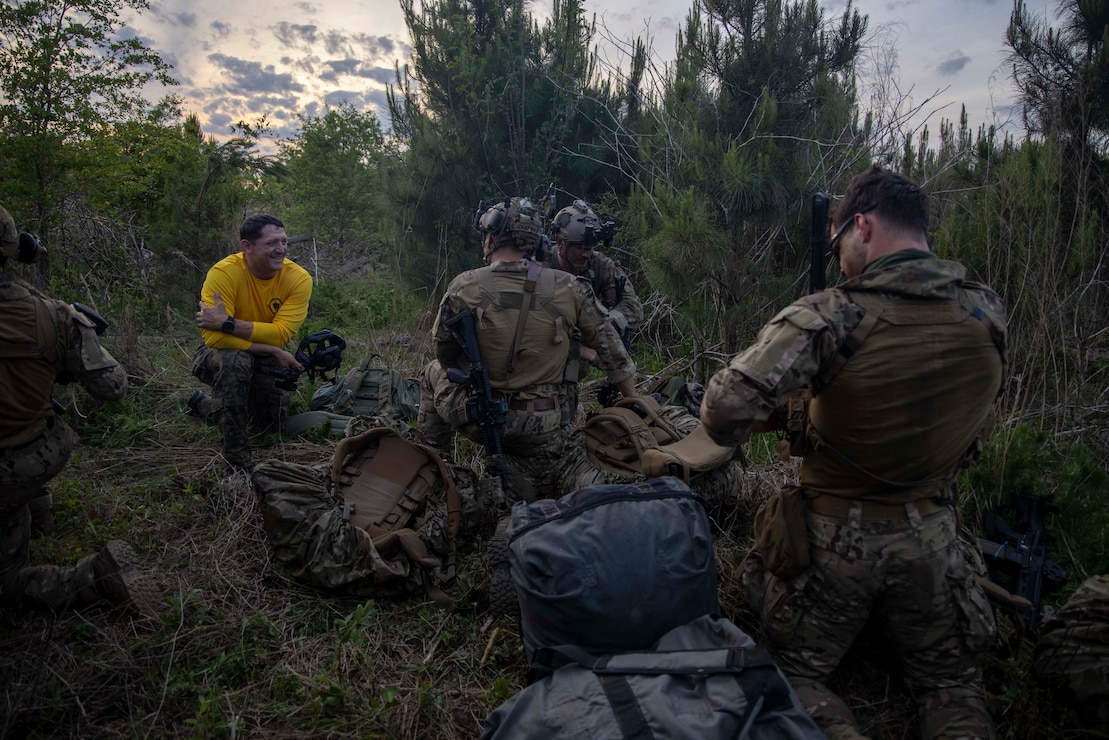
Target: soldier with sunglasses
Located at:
point(904, 360)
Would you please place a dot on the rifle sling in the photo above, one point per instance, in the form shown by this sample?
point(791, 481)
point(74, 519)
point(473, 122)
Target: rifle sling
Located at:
point(534, 269)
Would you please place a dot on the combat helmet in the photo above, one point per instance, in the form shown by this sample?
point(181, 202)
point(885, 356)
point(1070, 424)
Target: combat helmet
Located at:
point(15, 243)
point(511, 222)
point(577, 223)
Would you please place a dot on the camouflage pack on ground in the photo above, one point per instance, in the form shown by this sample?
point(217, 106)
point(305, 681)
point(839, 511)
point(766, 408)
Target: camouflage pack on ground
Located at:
point(580, 467)
point(633, 437)
point(1073, 650)
point(383, 518)
point(368, 391)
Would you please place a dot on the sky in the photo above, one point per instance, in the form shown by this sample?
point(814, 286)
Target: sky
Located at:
point(237, 60)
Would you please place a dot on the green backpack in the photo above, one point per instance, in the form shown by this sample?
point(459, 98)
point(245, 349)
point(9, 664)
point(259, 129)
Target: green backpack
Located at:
point(367, 390)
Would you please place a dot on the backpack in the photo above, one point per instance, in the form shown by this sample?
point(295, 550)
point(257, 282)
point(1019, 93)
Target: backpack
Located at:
point(610, 568)
point(384, 518)
point(721, 487)
point(702, 680)
point(369, 391)
point(633, 437)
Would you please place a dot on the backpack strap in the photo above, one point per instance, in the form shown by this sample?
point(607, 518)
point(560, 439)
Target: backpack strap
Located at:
point(633, 436)
point(753, 669)
point(696, 452)
point(349, 392)
point(535, 269)
point(872, 307)
point(616, 438)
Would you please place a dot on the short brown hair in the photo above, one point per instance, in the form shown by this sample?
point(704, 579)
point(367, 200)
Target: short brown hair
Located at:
point(890, 195)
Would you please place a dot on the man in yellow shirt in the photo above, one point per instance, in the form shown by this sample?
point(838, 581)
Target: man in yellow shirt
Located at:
point(252, 304)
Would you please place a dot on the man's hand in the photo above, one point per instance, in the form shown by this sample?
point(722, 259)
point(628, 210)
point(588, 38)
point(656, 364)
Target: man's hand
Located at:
point(211, 317)
point(587, 354)
point(282, 357)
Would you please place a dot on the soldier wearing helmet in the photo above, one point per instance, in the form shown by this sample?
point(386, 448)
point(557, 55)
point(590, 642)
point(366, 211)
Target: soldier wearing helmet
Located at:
point(251, 305)
point(42, 342)
point(527, 353)
point(578, 232)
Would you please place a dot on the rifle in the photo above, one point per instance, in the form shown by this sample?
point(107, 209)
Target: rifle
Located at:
point(1024, 552)
point(818, 244)
point(481, 405)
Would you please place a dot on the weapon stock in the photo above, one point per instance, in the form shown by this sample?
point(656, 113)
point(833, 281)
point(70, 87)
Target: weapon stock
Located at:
point(818, 244)
point(481, 405)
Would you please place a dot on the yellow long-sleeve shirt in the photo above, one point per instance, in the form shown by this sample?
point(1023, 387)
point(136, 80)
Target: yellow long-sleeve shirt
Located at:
point(277, 307)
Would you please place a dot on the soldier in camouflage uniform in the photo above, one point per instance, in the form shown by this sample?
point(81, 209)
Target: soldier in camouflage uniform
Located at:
point(529, 375)
point(1072, 651)
point(577, 231)
point(904, 359)
point(251, 305)
point(43, 342)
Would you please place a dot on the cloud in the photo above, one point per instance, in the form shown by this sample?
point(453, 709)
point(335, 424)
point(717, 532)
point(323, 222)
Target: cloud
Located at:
point(223, 30)
point(252, 77)
point(308, 8)
point(187, 20)
point(338, 68)
point(296, 34)
point(383, 75)
point(220, 121)
point(954, 65)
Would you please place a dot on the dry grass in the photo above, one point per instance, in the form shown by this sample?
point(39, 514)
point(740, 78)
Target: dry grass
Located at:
point(241, 650)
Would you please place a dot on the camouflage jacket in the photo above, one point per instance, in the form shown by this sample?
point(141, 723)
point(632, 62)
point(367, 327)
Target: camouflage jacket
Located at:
point(917, 385)
point(611, 285)
point(45, 341)
point(567, 306)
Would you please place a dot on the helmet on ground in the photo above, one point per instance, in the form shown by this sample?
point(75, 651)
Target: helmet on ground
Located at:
point(320, 352)
point(16, 244)
point(511, 222)
point(577, 223)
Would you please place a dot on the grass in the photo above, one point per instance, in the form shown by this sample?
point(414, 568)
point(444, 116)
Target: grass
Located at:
point(242, 650)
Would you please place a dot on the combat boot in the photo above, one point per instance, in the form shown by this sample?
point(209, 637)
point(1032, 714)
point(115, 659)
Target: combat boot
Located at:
point(41, 506)
point(120, 581)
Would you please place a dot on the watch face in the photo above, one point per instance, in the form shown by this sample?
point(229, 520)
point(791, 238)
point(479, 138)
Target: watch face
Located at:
point(228, 325)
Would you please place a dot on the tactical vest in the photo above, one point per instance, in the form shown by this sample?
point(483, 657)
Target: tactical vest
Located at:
point(524, 351)
point(914, 385)
point(33, 341)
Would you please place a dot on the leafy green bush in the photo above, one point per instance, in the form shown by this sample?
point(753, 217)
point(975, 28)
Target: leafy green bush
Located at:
point(1026, 460)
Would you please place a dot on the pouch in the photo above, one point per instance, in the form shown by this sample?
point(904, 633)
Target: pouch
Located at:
point(781, 534)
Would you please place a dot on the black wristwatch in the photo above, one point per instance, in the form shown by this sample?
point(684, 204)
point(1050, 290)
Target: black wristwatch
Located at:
point(228, 325)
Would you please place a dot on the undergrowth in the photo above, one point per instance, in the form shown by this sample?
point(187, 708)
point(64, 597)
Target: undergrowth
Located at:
point(243, 650)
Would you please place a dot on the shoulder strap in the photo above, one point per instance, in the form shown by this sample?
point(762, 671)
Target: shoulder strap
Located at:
point(872, 307)
point(616, 437)
point(345, 398)
point(534, 271)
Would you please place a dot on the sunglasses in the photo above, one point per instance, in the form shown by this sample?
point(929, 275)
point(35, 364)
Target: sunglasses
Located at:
point(833, 244)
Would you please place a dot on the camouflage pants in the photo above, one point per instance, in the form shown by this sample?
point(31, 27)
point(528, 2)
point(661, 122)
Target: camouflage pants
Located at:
point(245, 397)
point(916, 579)
point(23, 473)
point(532, 440)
